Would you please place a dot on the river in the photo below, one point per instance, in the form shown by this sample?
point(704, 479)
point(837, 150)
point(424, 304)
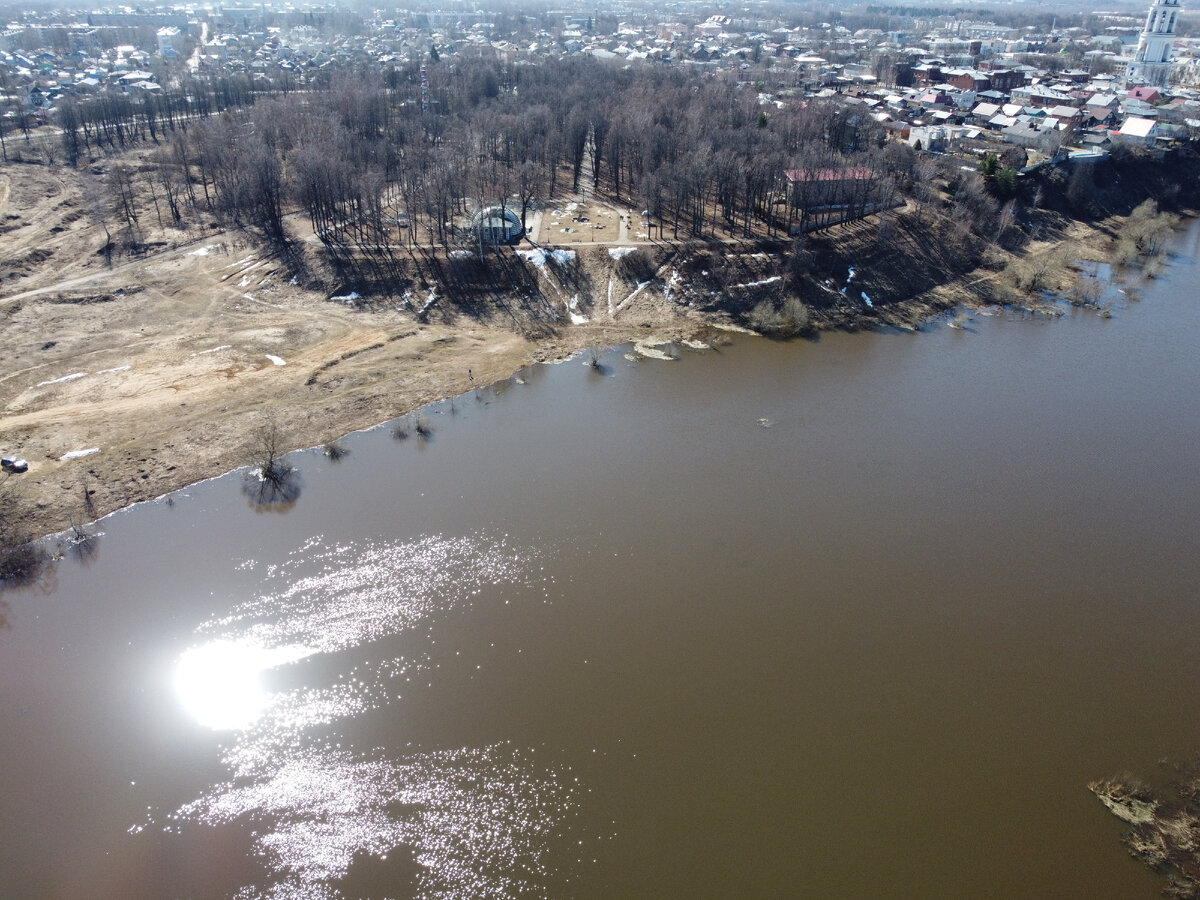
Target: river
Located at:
point(857, 617)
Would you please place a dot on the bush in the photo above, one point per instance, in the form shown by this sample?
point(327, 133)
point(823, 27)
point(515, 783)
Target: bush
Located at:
point(789, 319)
point(1040, 271)
point(1144, 236)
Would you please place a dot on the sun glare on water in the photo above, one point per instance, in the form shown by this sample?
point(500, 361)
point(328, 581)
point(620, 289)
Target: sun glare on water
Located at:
point(220, 683)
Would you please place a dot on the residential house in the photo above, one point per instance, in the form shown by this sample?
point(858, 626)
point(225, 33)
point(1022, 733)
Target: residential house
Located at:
point(1069, 116)
point(1145, 94)
point(1136, 130)
point(1101, 107)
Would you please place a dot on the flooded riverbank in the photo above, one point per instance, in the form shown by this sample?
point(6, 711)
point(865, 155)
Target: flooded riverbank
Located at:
point(856, 617)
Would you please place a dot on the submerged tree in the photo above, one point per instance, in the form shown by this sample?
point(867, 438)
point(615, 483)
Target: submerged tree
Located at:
point(273, 482)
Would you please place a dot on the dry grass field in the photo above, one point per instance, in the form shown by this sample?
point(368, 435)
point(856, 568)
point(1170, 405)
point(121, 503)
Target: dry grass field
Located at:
point(166, 363)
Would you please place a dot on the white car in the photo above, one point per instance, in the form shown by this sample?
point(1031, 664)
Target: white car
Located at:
point(14, 464)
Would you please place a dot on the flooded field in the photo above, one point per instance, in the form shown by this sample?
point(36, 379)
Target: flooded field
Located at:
point(860, 617)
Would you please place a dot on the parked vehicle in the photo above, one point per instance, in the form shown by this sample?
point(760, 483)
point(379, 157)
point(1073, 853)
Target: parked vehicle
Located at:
point(14, 464)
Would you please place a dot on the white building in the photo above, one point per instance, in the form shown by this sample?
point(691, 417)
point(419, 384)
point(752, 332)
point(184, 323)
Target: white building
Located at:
point(169, 40)
point(1152, 60)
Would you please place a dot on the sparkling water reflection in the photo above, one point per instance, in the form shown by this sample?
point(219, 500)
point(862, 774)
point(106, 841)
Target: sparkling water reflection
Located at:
point(220, 683)
point(475, 819)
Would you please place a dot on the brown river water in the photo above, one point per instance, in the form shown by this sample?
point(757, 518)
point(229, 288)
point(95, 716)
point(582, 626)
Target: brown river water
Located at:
point(609, 635)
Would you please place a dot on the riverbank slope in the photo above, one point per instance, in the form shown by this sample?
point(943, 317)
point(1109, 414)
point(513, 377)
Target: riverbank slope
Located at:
point(122, 379)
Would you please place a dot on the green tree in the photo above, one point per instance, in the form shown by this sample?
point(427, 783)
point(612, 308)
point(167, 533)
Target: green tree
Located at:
point(988, 165)
point(1004, 185)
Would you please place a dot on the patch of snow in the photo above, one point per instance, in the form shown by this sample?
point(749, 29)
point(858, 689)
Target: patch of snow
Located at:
point(751, 284)
point(240, 262)
point(76, 454)
point(696, 345)
point(292, 280)
point(117, 369)
point(70, 377)
point(867, 300)
point(346, 298)
point(430, 300)
point(620, 252)
point(572, 305)
point(276, 360)
point(850, 277)
point(461, 254)
point(213, 350)
point(202, 251)
point(669, 287)
point(244, 281)
point(248, 296)
point(537, 257)
point(649, 349)
point(572, 206)
point(740, 329)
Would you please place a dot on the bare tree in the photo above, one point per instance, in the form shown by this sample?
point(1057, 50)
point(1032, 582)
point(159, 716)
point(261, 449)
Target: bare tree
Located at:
point(272, 481)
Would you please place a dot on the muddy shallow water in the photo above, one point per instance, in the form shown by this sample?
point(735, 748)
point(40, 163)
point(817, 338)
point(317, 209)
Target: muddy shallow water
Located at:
point(859, 617)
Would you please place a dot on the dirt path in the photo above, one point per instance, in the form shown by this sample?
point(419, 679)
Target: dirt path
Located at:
point(70, 284)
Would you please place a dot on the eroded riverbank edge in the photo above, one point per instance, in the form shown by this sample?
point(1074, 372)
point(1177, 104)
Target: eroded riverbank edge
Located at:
point(387, 367)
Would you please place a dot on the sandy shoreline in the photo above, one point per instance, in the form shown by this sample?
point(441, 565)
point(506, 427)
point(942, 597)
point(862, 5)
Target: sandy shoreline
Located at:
point(168, 400)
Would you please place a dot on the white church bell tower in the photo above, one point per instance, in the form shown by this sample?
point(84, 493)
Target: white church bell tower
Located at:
point(1152, 62)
